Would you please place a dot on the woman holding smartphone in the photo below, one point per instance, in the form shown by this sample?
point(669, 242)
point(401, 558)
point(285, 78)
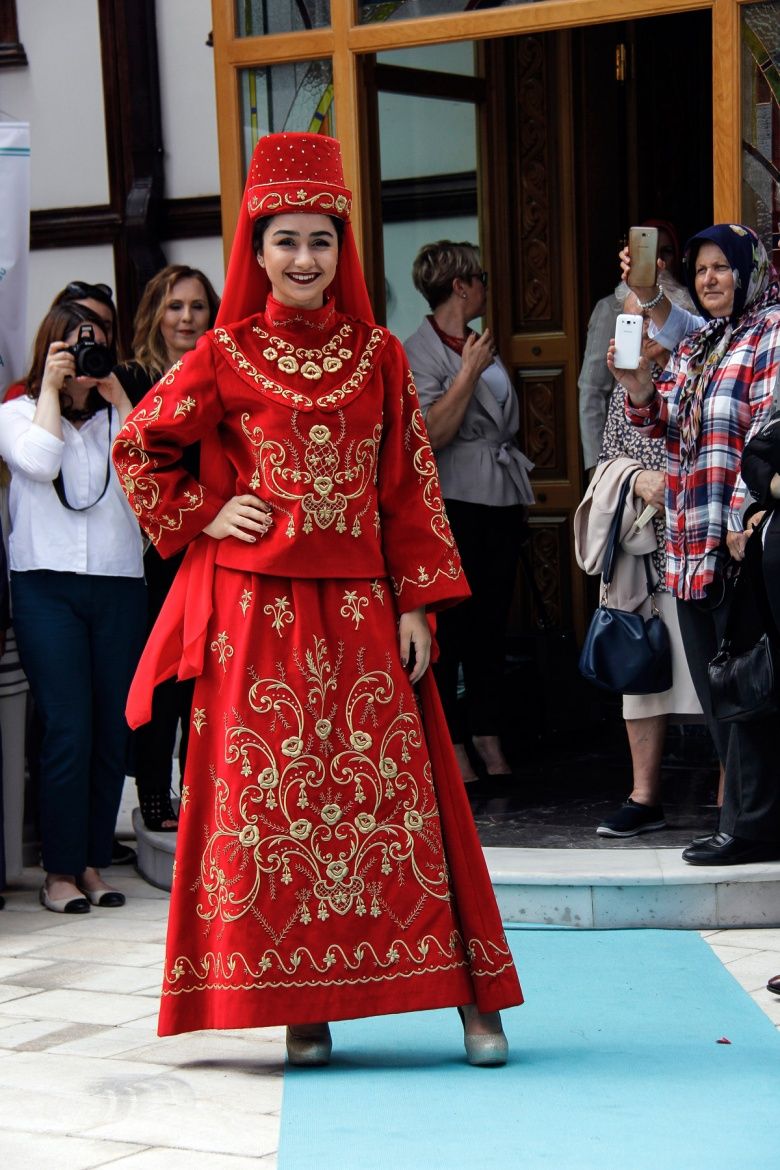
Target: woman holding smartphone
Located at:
point(714, 394)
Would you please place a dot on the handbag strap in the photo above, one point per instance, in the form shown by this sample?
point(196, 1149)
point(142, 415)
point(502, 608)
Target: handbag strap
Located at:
point(613, 545)
point(613, 539)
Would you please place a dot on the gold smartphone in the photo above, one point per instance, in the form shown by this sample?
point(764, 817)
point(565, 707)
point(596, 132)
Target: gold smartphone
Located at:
point(643, 250)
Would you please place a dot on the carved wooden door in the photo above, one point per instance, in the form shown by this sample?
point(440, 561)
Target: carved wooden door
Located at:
point(528, 216)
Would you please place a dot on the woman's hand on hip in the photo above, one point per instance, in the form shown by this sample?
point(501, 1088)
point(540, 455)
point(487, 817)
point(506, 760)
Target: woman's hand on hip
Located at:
point(478, 353)
point(649, 486)
point(245, 517)
point(414, 635)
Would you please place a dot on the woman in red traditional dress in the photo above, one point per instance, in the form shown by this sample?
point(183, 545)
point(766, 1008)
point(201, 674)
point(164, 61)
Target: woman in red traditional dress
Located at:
point(327, 863)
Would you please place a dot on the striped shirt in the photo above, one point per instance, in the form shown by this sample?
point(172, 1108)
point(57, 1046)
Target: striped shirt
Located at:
point(708, 498)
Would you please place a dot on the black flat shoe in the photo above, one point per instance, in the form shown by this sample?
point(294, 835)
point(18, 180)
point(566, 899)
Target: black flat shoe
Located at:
point(156, 807)
point(723, 849)
point(63, 905)
point(774, 984)
point(107, 899)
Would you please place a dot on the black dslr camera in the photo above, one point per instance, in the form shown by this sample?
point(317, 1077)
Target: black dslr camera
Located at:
point(93, 359)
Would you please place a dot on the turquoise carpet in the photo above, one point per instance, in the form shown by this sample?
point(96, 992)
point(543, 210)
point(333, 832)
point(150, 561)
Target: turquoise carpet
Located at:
point(614, 1065)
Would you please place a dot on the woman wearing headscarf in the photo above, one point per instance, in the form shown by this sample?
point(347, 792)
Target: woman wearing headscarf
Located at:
point(327, 865)
point(714, 394)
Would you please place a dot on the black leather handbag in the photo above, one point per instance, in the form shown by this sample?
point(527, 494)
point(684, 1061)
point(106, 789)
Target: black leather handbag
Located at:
point(743, 684)
point(624, 652)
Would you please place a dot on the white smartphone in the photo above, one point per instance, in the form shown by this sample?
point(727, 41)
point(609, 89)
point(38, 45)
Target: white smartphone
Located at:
point(628, 341)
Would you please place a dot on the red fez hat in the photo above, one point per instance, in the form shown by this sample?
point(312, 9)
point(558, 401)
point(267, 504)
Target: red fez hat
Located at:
point(299, 174)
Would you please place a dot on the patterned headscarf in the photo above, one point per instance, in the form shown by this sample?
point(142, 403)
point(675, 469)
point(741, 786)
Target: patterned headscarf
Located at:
point(755, 289)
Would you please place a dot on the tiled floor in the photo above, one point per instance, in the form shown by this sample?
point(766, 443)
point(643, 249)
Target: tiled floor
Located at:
point(84, 1080)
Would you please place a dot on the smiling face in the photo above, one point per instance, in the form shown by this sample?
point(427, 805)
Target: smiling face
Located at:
point(300, 254)
point(185, 317)
point(714, 281)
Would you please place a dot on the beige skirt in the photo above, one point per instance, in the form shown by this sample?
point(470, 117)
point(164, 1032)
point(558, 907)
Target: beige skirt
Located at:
point(679, 702)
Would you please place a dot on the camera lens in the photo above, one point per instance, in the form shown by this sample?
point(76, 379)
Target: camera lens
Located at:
point(93, 360)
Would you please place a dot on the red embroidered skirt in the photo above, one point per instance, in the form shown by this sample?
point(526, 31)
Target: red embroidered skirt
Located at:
point(327, 863)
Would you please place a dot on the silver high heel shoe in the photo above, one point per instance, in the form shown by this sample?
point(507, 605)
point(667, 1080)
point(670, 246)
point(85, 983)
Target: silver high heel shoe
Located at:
point(309, 1051)
point(485, 1050)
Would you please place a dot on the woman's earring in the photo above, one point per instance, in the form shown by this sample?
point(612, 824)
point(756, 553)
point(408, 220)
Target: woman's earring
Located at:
point(463, 296)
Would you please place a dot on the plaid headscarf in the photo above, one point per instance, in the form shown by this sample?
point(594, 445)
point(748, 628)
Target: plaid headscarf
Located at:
point(755, 289)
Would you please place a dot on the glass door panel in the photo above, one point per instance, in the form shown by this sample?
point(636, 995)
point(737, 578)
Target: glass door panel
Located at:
point(761, 120)
point(260, 18)
point(291, 96)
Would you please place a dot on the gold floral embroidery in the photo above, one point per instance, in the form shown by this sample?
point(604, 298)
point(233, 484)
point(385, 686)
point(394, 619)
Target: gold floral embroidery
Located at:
point(325, 484)
point(295, 398)
point(378, 590)
point(185, 795)
point(184, 406)
point(245, 601)
point(134, 466)
point(425, 465)
point(281, 613)
point(315, 830)
point(275, 202)
point(223, 648)
point(353, 605)
point(198, 718)
point(168, 378)
point(303, 967)
point(312, 363)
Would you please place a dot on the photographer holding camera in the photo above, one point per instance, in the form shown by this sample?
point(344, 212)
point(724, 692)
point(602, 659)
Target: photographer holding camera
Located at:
point(78, 595)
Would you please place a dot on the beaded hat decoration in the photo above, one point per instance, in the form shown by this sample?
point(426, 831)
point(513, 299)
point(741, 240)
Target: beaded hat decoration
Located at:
point(297, 172)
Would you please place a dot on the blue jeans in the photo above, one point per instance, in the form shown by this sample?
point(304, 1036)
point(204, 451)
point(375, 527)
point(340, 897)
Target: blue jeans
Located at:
point(79, 639)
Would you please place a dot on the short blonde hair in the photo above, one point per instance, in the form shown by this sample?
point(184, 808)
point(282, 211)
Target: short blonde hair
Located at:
point(437, 265)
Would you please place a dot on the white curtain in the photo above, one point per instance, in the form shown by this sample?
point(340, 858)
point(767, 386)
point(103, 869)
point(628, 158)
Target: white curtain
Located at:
point(14, 248)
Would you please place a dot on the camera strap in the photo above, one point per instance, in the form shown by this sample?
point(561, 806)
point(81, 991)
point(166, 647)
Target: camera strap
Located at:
point(59, 483)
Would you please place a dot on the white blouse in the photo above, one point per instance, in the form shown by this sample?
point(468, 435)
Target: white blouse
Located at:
point(104, 540)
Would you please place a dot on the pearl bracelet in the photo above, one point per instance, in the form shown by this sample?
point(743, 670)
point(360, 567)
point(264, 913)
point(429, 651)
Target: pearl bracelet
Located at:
point(644, 305)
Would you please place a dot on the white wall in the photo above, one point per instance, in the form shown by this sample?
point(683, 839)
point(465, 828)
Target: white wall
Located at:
point(189, 118)
point(205, 254)
point(60, 94)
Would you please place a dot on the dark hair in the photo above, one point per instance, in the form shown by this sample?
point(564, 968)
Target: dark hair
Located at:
point(260, 225)
point(55, 326)
point(149, 349)
point(82, 290)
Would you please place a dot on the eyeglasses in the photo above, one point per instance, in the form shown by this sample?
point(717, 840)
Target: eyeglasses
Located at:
point(483, 276)
point(98, 292)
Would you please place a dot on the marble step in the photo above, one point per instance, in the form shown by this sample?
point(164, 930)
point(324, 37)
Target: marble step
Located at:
point(586, 888)
point(596, 889)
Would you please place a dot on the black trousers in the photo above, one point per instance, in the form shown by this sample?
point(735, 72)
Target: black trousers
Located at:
point(79, 640)
point(702, 624)
point(154, 742)
point(472, 634)
point(751, 800)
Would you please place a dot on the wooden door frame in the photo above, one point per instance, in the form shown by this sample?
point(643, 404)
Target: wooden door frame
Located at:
point(345, 41)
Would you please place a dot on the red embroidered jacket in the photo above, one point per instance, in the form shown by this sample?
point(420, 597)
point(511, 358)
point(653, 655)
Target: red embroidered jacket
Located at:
point(317, 414)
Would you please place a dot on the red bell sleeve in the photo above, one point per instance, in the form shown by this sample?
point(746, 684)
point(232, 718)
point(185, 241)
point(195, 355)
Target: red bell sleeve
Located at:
point(172, 507)
point(419, 550)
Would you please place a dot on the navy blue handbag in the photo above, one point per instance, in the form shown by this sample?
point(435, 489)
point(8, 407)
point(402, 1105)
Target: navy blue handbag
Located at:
point(624, 652)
